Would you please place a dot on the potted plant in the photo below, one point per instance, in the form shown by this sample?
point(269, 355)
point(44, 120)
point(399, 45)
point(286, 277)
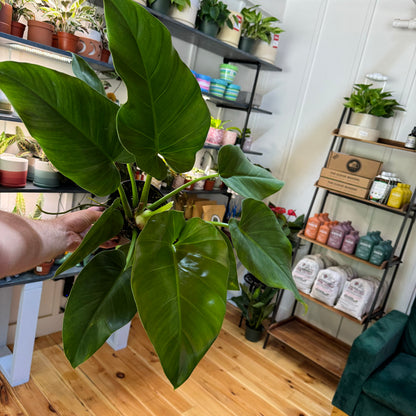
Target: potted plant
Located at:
point(90, 44)
point(171, 267)
point(20, 10)
point(161, 6)
point(37, 30)
point(185, 11)
point(247, 38)
point(212, 16)
point(6, 12)
point(68, 17)
point(216, 131)
point(255, 306)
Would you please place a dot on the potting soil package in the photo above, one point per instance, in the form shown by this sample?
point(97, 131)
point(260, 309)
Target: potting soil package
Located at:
point(305, 272)
point(329, 284)
point(358, 296)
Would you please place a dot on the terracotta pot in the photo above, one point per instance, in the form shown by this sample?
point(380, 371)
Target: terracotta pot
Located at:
point(67, 42)
point(40, 32)
point(54, 40)
point(18, 29)
point(89, 48)
point(6, 18)
point(43, 268)
point(209, 184)
point(105, 54)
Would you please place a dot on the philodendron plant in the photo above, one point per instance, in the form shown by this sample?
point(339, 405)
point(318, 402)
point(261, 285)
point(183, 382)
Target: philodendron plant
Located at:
point(174, 273)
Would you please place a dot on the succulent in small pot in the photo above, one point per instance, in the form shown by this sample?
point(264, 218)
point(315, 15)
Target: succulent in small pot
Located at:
point(212, 16)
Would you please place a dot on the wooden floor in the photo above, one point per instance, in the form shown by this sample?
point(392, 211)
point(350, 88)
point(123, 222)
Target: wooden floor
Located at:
point(236, 378)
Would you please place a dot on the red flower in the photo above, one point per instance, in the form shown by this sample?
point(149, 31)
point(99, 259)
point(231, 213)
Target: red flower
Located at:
point(279, 210)
point(291, 213)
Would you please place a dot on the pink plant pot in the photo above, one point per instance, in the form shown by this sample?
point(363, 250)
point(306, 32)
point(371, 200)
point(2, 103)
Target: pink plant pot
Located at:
point(229, 137)
point(215, 136)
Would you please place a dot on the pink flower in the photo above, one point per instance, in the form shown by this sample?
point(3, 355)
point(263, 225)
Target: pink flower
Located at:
point(279, 210)
point(291, 213)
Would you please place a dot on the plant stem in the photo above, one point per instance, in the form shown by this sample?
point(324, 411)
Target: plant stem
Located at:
point(133, 185)
point(218, 224)
point(125, 202)
point(181, 188)
point(131, 249)
point(145, 194)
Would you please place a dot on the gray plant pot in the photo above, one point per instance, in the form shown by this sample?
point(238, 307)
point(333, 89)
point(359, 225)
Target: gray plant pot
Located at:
point(209, 28)
point(161, 6)
point(246, 44)
point(253, 335)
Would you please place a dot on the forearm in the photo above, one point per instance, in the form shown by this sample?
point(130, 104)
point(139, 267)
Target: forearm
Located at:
point(25, 243)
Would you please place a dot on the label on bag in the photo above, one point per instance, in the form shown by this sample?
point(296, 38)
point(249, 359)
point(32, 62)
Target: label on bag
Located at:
point(237, 22)
point(275, 41)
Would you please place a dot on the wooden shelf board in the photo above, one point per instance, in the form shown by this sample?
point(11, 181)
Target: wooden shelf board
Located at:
point(364, 201)
point(328, 352)
point(392, 144)
point(381, 267)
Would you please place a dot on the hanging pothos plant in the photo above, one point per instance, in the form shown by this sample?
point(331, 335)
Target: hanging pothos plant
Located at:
point(174, 273)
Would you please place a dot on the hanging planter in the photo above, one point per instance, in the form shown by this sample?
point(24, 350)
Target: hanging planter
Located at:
point(231, 36)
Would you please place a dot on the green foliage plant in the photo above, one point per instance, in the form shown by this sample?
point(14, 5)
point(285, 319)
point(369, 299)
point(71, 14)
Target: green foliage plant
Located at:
point(20, 10)
point(255, 306)
point(174, 273)
point(68, 15)
point(255, 26)
point(374, 101)
point(217, 123)
point(181, 4)
point(214, 11)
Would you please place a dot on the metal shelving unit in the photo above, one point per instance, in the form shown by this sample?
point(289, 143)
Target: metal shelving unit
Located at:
point(289, 331)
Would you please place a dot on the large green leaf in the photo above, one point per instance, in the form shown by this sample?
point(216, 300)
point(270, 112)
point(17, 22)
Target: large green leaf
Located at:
point(232, 273)
point(85, 73)
point(179, 282)
point(100, 303)
point(74, 124)
point(107, 226)
point(262, 246)
point(165, 115)
point(243, 177)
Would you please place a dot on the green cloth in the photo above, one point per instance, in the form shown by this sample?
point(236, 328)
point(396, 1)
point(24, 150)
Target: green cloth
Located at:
point(409, 337)
point(366, 406)
point(394, 386)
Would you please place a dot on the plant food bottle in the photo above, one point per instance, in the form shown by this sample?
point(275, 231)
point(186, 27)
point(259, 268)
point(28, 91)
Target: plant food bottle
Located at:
point(396, 197)
point(379, 187)
point(336, 236)
point(350, 242)
point(365, 247)
point(323, 232)
point(312, 227)
point(411, 139)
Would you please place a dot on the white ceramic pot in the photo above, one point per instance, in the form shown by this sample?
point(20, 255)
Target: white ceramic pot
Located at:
point(364, 120)
point(232, 36)
point(45, 175)
point(187, 16)
point(13, 171)
point(267, 52)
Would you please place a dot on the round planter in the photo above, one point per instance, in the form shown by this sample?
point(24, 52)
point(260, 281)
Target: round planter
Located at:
point(229, 137)
point(45, 175)
point(253, 335)
point(105, 55)
point(204, 82)
point(246, 44)
point(209, 184)
point(89, 48)
point(187, 16)
point(359, 132)
point(67, 42)
point(214, 136)
point(228, 72)
point(265, 51)
point(6, 18)
point(40, 32)
point(44, 268)
point(364, 120)
point(217, 87)
point(31, 168)
point(161, 6)
point(232, 91)
point(13, 171)
point(209, 28)
point(18, 29)
point(232, 36)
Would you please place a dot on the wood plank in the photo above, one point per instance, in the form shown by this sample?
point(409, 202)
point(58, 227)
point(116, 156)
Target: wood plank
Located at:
point(9, 405)
point(337, 412)
point(328, 352)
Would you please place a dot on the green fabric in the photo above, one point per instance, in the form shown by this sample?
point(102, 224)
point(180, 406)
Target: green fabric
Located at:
point(394, 386)
point(368, 352)
point(409, 338)
point(366, 406)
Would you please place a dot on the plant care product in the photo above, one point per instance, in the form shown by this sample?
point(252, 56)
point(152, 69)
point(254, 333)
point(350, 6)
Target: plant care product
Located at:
point(379, 253)
point(411, 139)
point(312, 226)
point(380, 187)
point(218, 87)
point(231, 92)
point(365, 246)
point(336, 236)
point(228, 72)
point(350, 242)
point(323, 232)
point(396, 197)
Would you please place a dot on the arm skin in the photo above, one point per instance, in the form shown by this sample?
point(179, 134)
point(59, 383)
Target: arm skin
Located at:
point(25, 243)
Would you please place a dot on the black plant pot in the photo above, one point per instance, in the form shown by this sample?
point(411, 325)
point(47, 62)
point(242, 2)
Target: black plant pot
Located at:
point(253, 334)
point(209, 28)
point(246, 44)
point(161, 6)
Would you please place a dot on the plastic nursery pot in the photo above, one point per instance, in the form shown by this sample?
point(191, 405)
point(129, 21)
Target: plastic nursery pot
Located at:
point(6, 18)
point(209, 184)
point(40, 32)
point(105, 55)
point(44, 268)
point(218, 87)
point(161, 6)
point(18, 29)
point(68, 42)
point(253, 335)
point(190, 187)
point(228, 72)
point(246, 44)
point(209, 28)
